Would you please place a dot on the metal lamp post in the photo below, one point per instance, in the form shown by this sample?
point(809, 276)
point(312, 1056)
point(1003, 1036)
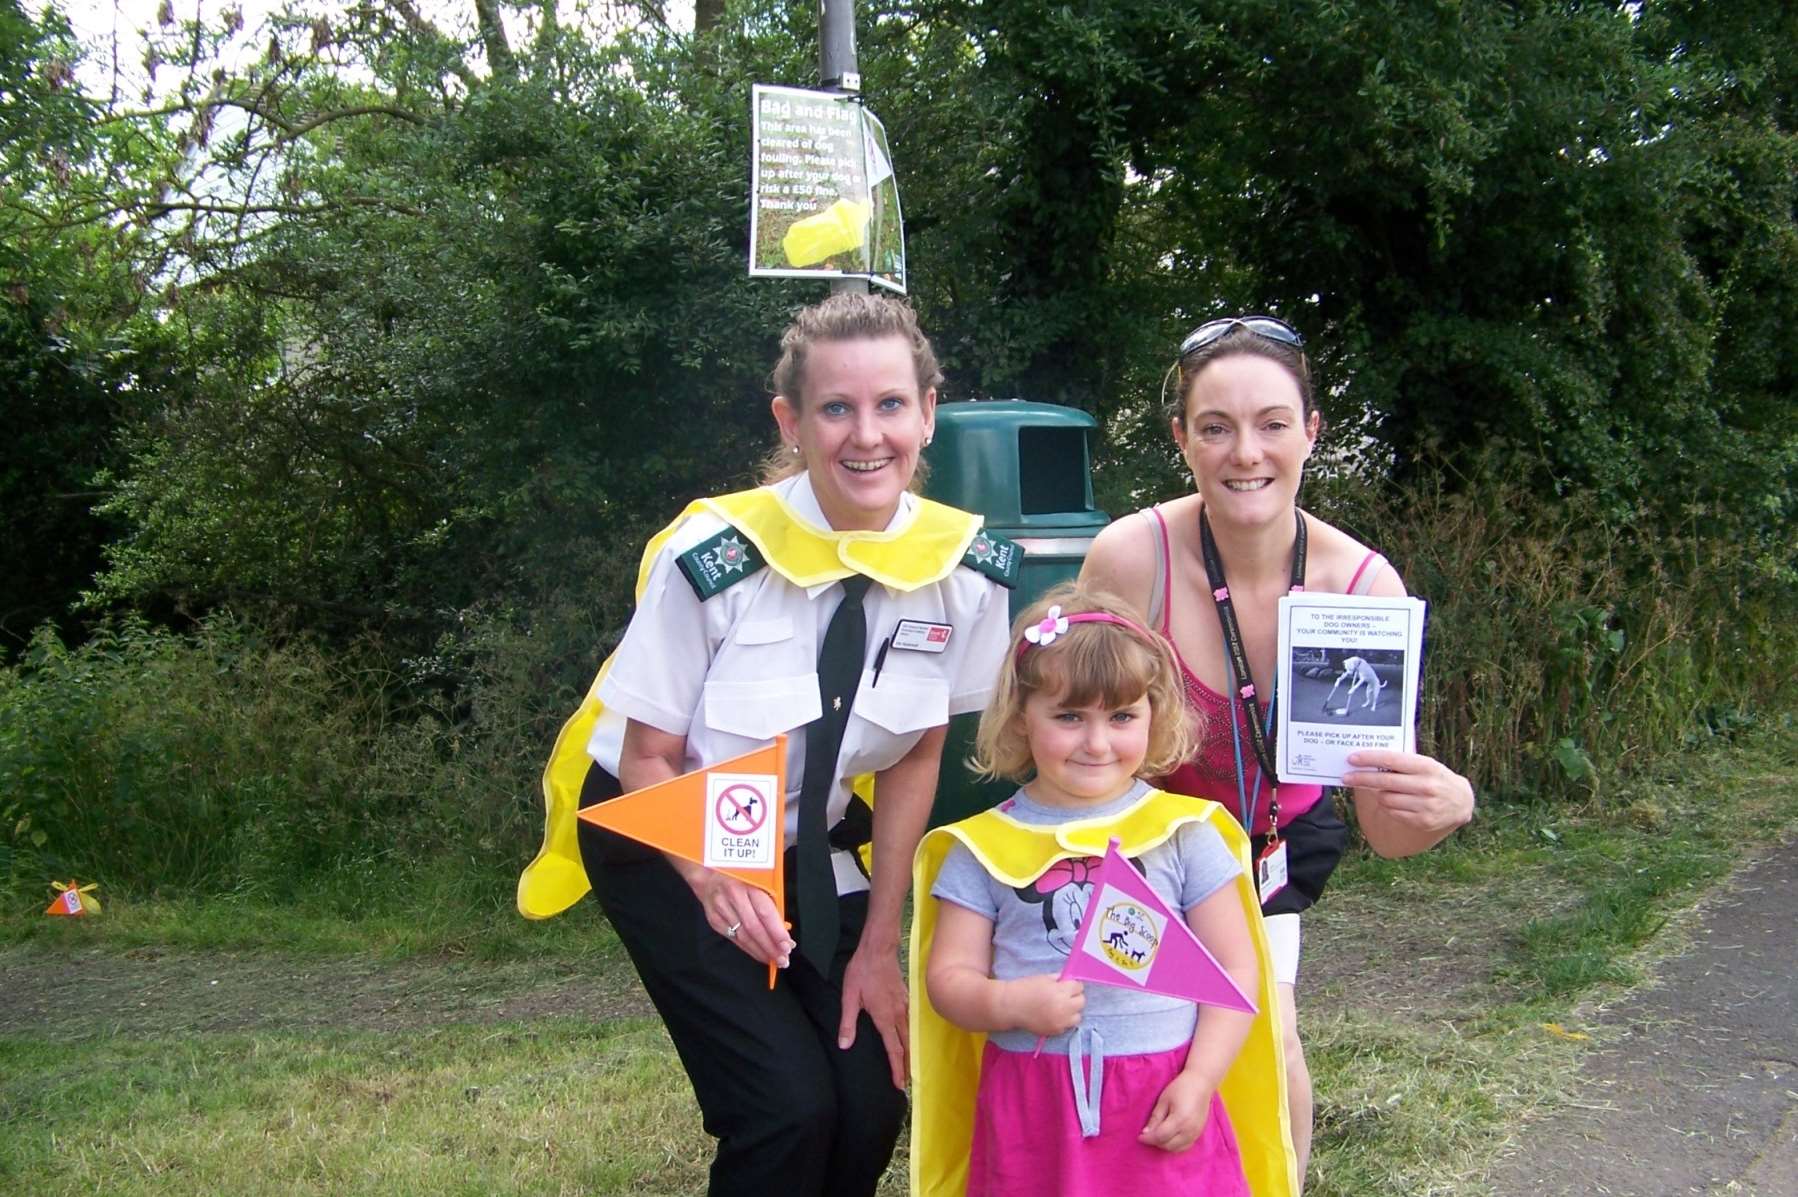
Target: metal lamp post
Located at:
point(838, 71)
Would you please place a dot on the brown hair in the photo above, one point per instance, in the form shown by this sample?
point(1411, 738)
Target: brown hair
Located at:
point(843, 316)
point(1238, 340)
point(1094, 662)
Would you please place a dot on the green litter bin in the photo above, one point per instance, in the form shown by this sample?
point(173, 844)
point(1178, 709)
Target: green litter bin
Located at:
point(1026, 467)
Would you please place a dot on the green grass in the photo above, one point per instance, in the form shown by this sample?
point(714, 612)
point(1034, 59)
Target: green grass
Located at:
point(1412, 1106)
point(1458, 978)
point(559, 1107)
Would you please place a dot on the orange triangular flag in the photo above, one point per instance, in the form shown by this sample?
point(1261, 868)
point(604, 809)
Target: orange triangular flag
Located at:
point(74, 899)
point(730, 816)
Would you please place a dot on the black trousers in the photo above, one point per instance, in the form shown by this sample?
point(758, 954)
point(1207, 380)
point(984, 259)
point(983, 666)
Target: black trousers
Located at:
point(793, 1115)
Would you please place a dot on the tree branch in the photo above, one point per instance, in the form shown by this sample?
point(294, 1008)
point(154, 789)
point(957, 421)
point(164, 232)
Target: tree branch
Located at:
point(290, 130)
point(337, 114)
point(493, 39)
point(423, 27)
point(164, 207)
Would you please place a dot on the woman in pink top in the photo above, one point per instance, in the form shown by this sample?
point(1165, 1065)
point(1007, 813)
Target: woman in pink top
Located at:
point(1245, 419)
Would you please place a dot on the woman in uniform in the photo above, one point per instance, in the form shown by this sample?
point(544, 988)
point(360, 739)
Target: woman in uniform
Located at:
point(833, 605)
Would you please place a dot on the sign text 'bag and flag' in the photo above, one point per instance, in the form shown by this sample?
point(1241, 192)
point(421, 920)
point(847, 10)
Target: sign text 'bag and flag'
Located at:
point(823, 199)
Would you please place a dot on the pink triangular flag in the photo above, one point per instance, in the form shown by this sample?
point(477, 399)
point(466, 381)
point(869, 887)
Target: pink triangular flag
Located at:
point(1130, 938)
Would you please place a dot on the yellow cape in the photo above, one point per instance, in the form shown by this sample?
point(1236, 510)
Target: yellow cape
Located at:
point(922, 550)
point(946, 1059)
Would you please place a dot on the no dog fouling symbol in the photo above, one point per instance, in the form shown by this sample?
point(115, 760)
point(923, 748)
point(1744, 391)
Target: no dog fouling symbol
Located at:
point(741, 809)
point(740, 831)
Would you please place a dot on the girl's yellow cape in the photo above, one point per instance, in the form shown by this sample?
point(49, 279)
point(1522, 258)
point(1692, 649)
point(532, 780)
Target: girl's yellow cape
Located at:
point(946, 1059)
point(922, 550)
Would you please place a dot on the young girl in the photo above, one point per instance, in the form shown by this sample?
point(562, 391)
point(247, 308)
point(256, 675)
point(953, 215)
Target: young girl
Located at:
point(1129, 1089)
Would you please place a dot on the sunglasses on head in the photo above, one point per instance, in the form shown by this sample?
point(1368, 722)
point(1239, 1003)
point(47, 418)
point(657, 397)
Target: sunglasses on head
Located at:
point(1262, 326)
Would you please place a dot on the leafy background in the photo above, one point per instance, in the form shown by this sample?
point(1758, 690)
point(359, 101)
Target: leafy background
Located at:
point(349, 362)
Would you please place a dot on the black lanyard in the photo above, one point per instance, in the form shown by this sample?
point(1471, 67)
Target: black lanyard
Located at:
point(1239, 658)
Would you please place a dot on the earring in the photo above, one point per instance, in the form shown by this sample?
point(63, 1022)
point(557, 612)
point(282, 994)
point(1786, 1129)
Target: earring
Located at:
point(795, 449)
point(927, 440)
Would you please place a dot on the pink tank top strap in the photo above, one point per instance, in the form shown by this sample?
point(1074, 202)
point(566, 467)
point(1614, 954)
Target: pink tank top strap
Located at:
point(1166, 571)
point(1165, 624)
point(1367, 571)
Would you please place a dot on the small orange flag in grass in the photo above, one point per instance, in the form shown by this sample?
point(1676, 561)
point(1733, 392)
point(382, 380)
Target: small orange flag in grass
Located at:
point(730, 817)
point(74, 899)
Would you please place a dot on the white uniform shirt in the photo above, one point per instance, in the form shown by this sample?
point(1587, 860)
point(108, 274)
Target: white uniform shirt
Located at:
point(732, 672)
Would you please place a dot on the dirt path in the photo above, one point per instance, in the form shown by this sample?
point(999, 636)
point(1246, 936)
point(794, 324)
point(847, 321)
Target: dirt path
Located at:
point(1695, 1087)
point(57, 993)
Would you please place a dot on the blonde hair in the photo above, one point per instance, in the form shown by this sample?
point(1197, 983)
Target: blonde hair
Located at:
point(843, 316)
point(1092, 662)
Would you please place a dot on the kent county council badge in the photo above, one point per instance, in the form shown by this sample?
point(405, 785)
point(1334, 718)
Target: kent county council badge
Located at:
point(982, 548)
point(731, 555)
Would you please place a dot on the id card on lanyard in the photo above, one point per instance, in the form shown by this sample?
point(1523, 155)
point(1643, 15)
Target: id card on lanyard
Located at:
point(1270, 866)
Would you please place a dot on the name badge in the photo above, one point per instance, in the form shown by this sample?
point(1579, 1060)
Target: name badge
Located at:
point(1270, 871)
point(921, 636)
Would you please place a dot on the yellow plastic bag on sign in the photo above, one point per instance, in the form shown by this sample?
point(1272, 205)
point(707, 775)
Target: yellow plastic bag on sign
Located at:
point(841, 227)
point(74, 899)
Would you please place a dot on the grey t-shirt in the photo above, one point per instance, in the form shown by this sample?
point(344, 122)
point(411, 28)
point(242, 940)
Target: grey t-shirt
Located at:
point(1033, 927)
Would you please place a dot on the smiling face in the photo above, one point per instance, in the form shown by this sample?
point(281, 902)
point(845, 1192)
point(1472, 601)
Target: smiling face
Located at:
point(1247, 439)
point(1086, 755)
point(859, 427)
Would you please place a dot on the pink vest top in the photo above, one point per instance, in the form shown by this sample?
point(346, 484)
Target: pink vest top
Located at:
point(1211, 771)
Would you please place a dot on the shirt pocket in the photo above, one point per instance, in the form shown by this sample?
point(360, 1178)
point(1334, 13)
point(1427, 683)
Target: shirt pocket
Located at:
point(764, 631)
point(902, 704)
point(763, 708)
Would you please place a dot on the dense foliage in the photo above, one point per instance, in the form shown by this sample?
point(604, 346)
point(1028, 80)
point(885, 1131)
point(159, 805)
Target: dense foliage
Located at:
point(392, 338)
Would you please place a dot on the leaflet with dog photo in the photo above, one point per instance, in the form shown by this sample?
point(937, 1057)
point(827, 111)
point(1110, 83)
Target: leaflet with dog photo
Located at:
point(1349, 666)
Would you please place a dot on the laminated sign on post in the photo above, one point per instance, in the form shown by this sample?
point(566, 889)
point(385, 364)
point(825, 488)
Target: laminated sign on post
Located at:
point(823, 202)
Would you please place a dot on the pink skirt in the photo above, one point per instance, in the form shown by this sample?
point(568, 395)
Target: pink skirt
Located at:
point(1027, 1133)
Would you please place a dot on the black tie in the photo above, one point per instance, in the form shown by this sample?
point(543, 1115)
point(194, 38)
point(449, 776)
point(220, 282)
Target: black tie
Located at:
point(839, 674)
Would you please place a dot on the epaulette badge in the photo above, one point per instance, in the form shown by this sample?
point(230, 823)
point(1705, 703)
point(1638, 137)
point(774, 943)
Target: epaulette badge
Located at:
point(719, 563)
point(996, 557)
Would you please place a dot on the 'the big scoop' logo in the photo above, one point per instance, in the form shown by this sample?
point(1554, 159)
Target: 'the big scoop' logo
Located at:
point(1129, 935)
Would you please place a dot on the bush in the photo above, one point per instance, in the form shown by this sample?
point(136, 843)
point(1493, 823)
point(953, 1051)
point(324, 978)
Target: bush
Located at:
point(1565, 647)
point(211, 763)
point(230, 761)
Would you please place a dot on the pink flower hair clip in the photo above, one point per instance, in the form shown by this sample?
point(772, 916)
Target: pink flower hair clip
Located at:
point(1043, 633)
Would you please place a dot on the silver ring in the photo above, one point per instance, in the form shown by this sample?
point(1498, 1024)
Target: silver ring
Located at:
point(730, 932)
